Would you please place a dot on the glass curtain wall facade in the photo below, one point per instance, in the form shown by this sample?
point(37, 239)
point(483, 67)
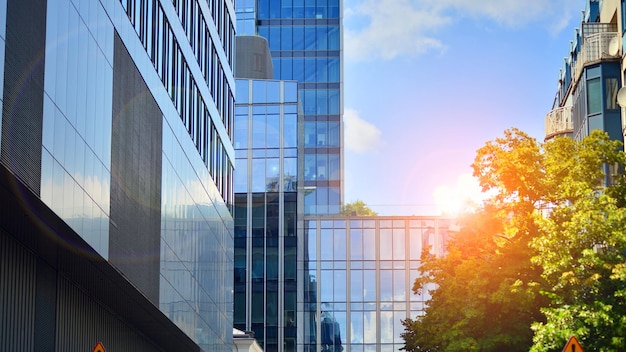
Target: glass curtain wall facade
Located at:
point(134, 142)
point(305, 41)
point(266, 183)
point(357, 275)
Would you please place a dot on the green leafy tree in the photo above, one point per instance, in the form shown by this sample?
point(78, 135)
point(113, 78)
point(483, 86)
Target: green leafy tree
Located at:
point(582, 246)
point(357, 208)
point(542, 260)
point(486, 294)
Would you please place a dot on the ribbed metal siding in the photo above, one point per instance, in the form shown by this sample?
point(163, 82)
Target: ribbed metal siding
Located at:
point(22, 108)
point(17, 296)
point(82, 322)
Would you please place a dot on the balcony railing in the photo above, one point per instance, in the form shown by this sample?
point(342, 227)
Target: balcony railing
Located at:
point(559, 121)
point(595, 48)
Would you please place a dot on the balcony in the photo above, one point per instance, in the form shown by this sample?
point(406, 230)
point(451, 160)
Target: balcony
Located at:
point(559, 122)
point(595, 49)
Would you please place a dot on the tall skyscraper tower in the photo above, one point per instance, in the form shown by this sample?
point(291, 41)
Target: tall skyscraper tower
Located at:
point(305, 42)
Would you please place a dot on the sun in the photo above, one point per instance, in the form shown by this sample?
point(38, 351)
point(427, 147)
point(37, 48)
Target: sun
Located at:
point(462, 197)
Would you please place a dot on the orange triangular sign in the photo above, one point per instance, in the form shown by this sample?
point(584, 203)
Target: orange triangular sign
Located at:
point(573, 345)
point(99, 348)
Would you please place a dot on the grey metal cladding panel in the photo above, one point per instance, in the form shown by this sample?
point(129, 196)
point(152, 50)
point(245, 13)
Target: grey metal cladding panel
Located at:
point(17, 296)
point(23, 90)
point(82, 322)
point(134, 238)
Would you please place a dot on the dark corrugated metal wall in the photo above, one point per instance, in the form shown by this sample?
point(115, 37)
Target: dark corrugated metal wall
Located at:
point(75, 322)
point(82, 322)
point(17, 296)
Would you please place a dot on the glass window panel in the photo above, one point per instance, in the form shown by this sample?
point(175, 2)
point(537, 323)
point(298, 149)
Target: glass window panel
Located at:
point(326, 237)
point(258, 175)
point(356, 244)
point(259, 91)
point(291, 94)
point(326, 286)
point(241, 131)
point(369, 285)
point(386, 245)
point(356, 285)
point(310, 68)
point(241, 91)
point(272, 263)
point(333, 38)
point(594, 96)
point(274, 38)
point(298, 68)
point(286, 38)
point(310, 137)
point(339, 285)
point(309, 37)
point(322, 38)
point(290, 177)
point(286, 68)
point(369, 244)
point(272, 175)
point(322, 132)
point(258, 131)
point(398, 328)
point(369, 328)
point(386, 327)
point(399, 285)
point(322, 166)
point(322, 70)
point(415, 243)
point(274, 8)
point(310, 167)
point(333, 101)
point(241, 176)
point(311, 244)
point(386, 285)
point(339, 245)
point(290, 130)
point(595, 123)
point(398, 244)
point(334, 170)
point(273, 92)
point(273, 131)
point(611, 93)
point(356, 327)
point(298, 38)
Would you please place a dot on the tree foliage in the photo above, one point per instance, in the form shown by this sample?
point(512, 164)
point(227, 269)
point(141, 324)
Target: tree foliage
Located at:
point(357, 208)
point(543, 259)
point(486, 294)
point(582, 247)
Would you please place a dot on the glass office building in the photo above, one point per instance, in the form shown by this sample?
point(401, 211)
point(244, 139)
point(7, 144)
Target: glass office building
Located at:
point(357, 274)
point(266, 184)
point(305, 42)
point(118, 117)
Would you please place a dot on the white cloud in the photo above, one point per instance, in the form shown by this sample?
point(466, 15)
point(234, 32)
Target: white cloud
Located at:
point(360, 135)
point(512, 12)
point(389, 28)
point(386, 29)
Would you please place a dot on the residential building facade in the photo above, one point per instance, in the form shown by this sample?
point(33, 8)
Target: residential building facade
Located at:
point(117, 172)
point(591, 76)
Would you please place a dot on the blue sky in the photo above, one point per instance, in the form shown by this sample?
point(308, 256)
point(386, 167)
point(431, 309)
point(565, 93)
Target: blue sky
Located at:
point(428, 82)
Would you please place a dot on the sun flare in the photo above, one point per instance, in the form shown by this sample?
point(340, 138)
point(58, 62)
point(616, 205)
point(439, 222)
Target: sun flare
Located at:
point(462, 197)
